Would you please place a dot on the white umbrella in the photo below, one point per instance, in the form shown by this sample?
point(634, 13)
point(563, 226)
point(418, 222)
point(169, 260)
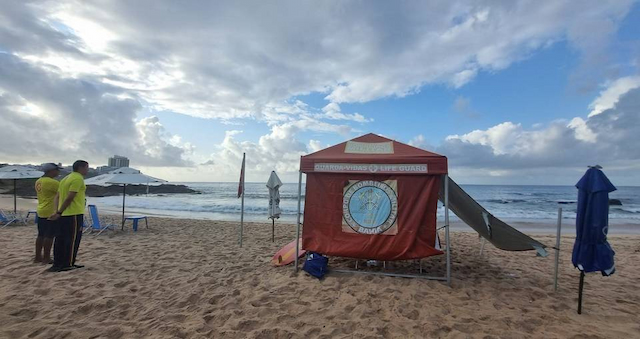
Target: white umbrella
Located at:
point(16, 173)
point(274, 184)
point(123, 176)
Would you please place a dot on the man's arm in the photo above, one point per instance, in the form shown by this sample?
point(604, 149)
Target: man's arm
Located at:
point(56, 203)
point(65, 204)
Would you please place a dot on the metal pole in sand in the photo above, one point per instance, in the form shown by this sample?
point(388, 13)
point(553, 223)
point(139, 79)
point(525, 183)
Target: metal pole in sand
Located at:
point(580, 292)
point(124, 195)
point(555, 274)
point(446, 221)
point(15, 199)
point(298, 222)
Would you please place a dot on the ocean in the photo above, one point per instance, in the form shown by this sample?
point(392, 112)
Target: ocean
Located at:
point(218, 201)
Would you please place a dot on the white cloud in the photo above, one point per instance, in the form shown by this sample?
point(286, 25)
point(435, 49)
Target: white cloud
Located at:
point(92, 67)
point(611, 94)
point(226, 61)
point(332, 111)
point(62, 119)
point(608, 138)
point(419, 141)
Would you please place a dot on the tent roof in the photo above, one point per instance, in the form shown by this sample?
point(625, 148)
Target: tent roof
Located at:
point(123, 176)
point(19, 172)
point(374, 151)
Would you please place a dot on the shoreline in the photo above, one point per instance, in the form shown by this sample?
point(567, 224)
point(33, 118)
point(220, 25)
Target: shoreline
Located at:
point(532, 226)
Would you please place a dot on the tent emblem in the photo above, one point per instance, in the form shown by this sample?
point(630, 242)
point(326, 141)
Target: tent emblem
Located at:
point(370, 207)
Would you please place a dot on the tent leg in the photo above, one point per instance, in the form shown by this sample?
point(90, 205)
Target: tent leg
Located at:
point(124, 195)
point(482, 242)
point(555, 274)
point(446, 222)
point(298, 222)
point(580, 292)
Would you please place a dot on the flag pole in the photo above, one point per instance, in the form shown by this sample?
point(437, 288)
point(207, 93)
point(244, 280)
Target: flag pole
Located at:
point(242, 203)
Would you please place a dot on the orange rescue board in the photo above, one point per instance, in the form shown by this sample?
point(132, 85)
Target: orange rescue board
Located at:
point(287, 254)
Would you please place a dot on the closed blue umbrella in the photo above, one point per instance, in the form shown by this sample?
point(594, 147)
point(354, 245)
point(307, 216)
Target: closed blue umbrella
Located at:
point(591, 251)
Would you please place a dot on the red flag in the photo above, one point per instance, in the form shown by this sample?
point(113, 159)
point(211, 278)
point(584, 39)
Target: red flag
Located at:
point(241, 184)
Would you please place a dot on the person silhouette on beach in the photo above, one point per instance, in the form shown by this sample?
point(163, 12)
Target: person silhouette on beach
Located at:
point(71, 203)
point(46, 190)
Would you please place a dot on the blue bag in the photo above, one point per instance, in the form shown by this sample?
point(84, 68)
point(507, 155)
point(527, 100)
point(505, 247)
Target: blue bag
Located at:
point(316, 265)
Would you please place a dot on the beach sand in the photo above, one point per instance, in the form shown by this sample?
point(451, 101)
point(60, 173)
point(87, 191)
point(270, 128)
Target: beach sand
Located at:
point(190, 279)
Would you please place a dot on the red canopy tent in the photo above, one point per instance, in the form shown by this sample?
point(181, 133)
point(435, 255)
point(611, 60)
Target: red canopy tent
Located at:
point(373, 198)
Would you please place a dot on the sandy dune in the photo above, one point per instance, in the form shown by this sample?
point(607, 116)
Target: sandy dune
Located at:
point(189, 279)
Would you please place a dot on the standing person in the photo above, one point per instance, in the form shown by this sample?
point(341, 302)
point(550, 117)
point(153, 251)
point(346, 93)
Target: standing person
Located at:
point(46, 189)
point(71, 203)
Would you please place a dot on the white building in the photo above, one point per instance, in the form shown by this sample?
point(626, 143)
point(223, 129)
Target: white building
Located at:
point(118, 161)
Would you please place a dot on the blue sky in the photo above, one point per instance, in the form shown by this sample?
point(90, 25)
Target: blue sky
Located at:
point(518, 92)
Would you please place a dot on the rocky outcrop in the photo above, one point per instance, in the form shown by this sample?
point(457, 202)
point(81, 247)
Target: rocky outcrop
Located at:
point(102, 191)
point(615, 202)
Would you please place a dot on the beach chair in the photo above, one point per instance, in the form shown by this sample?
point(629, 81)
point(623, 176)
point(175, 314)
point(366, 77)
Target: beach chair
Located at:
point(35, 216)
point(7, 218)
point(96, 225)
point(135, 219)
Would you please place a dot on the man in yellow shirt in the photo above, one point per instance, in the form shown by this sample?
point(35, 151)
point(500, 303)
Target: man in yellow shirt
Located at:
point(46, 189)
point(71, 203)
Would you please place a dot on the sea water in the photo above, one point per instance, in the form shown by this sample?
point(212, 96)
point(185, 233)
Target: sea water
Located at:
point(219, 201)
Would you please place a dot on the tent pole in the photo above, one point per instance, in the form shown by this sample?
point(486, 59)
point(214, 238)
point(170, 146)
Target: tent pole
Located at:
point(124, 195)
point(15, 198)
point(580, 292)
point(446, 221)
point(555, 274)
point(298, 222)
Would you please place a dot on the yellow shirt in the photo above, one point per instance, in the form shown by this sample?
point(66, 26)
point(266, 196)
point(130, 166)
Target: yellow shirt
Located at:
point(73, 182)
point(46, 189)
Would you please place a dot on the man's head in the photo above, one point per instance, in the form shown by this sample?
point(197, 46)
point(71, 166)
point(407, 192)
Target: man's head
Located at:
point(51, 170)
point(81, 167)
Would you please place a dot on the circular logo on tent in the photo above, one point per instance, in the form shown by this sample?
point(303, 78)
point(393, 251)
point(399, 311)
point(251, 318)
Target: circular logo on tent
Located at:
point(370, 207)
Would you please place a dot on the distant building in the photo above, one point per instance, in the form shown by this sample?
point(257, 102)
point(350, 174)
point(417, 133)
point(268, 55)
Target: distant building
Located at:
point(118, 161)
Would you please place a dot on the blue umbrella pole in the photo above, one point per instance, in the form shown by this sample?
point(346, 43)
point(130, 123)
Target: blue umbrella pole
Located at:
point(580, 292)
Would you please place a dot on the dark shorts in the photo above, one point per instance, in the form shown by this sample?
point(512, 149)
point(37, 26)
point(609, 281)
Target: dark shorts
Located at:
point(47, 228)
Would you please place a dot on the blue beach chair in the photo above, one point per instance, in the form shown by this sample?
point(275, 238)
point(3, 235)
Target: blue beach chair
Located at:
point(7, 218)
point(96, 225)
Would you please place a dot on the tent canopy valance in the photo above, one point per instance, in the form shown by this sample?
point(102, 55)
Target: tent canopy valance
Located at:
point(373, 154)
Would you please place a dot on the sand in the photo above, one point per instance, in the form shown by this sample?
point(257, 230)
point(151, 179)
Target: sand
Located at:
point(189, 279)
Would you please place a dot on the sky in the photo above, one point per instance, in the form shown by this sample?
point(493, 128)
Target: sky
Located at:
point(512, 92)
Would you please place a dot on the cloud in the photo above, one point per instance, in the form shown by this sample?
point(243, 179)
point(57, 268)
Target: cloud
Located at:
point(611, 94)
point(608, 138)
point(47, 116)
point(94, 67)
point(228, 61)
point(332, 111)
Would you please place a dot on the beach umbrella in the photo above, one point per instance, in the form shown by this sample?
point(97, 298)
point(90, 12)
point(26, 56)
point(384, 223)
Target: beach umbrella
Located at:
point(123, 176)
point(274, 184)
point(591, 251)
point(16, 173)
